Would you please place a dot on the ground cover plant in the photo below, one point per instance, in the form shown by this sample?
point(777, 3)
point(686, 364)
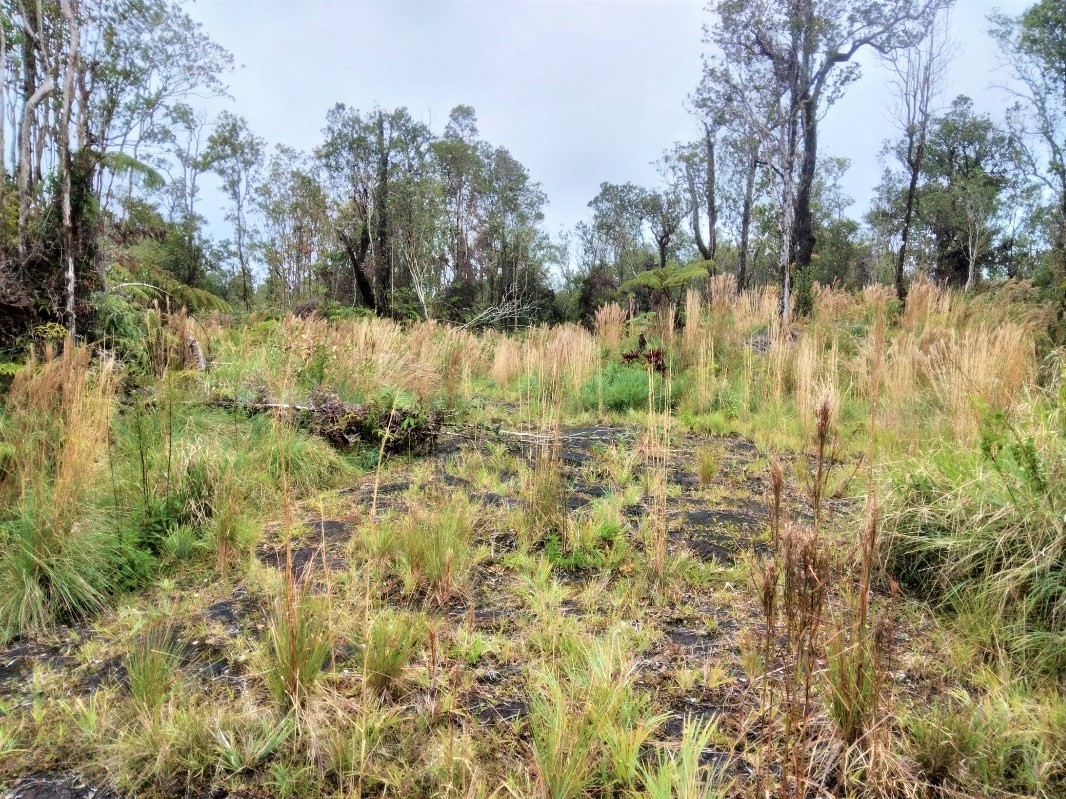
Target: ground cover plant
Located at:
point(817, 560)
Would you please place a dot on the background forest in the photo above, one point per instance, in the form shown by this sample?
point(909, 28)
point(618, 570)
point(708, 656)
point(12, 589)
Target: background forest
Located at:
point(106, 146)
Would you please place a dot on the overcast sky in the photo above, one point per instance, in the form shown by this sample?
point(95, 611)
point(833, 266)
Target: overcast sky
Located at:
point(580, 91)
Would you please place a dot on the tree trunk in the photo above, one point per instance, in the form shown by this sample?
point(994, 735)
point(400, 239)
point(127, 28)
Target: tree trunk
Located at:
point(709, 246)
point(915, 164)
point(381, 239)
point(356, 259)
point(246, 287)
point(25, 160)
point(803, 227)
point(65, 162)
point(710, 189)
point(745, 220)
point(3, 108)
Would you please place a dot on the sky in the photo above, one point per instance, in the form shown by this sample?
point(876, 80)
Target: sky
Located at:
point(580, 91)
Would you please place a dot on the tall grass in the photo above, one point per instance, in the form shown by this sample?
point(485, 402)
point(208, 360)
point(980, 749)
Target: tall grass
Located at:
point(609, 324)
point(984, 525)
point(54, 559)
point(436, 549)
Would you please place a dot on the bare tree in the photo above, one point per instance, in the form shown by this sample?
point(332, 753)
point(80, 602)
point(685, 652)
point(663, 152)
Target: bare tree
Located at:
point(917, 76)
point(806, 48)
point(68, 8)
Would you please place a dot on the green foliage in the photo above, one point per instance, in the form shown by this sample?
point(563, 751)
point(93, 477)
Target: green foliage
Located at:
point(297, 646)
point(624, 388)
point(682, 774)
point(146, 279)
point(985, 525)
point(435, 551)
point(669, 277)
point(1007, 742)
point(152, 667)
point(44, 575)
point(708, 464)
point(588, 724)
point(121, 162)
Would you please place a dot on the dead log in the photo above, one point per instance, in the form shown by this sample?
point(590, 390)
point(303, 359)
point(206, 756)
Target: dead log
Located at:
point(407, 430)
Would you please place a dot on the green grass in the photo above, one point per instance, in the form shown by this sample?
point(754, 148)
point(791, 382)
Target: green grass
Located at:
point(152, 667)
point(982, 531)
point(297, 647)
point(392, 641)
point(434, 553)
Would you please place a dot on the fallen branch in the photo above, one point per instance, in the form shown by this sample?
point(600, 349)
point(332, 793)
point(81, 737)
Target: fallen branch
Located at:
point(411, 431)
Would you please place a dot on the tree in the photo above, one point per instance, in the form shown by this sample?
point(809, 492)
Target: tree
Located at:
point(236, 156)
point(1035, 47)
point(838, 251)
point(665, 211)
point(968, 166)
point(186, 135)
point(460, 158)
point(369, 161)
point(87, 86)
point(917, 75)
point(663, 280)
point(615, 238)
point(801, 52)
point(293, 208)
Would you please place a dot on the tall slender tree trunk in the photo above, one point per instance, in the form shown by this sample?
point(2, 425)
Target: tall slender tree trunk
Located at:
point(914, 162)
point(381, 239)
point(246, 282)
point(65, 164)
point(745, 220)
point(26, 183)
point(710, 189)
point(3, 107)
point(708, 247)
point(803, 227)
point(356, 260)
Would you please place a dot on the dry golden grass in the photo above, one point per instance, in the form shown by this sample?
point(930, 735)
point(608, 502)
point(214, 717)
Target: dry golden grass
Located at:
point(756, 307)
point(927, 303)
point(722, 289)
point(567, 354)
point(815, 371)
point(609, 324)
point(978, 368)
point(506, 359)
point(59, 410)
point(832, 303)
point(693, 323)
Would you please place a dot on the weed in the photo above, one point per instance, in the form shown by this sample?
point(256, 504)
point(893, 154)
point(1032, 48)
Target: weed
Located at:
point(683, 774)
point(152, 667)
point(436, 549)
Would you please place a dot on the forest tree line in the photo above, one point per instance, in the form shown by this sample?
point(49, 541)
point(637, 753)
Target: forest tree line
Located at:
point(106, 148)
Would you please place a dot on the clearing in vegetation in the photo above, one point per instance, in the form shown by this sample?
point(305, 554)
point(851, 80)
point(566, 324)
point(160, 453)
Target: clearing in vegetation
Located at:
point(666, 557)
